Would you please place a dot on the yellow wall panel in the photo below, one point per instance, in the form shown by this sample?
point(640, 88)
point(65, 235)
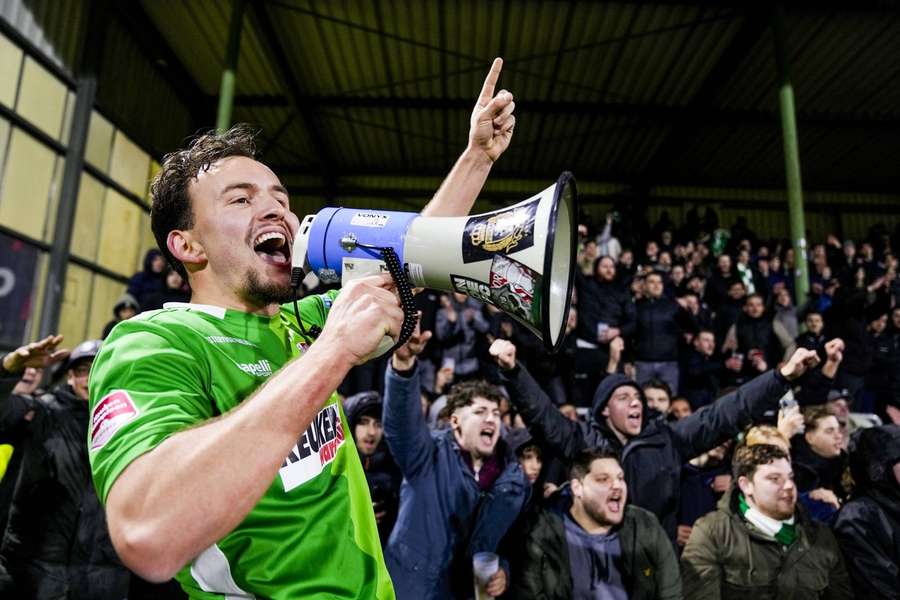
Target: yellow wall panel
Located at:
point(34, 323)
point(154, 169)
point(119, 234)
point(130, 165)
point(88, 218)
point(53, 201)
point(10, 64)
point(148, 242)
point(99, 142)
point(67, 118)
point(76, 302)
point(25, 190)
point(42, 99)
point(106, 292)
point(5, 130)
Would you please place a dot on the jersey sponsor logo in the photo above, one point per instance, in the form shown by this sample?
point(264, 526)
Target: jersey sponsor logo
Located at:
point(315, 449)
point(224, 339)
point(108, 416)
point(260, 368)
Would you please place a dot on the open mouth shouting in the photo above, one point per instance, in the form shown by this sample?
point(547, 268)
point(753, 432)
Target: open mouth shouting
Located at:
point(615, 503)
point(273, 247)
point(634, 419)
point(488, 436)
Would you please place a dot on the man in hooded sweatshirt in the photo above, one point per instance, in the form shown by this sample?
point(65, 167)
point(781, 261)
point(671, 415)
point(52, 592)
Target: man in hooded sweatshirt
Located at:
point(652, 451)
point(364, 414)
point(868, 527)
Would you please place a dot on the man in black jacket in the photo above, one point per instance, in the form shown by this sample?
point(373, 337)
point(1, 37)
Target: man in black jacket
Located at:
point(590, 543)
point(364, 415)
point(868, 527)
point(700, 371)
point(661, 323)
point(605, 312)
point(57, 543)
point(652, 451)
point(814, 336)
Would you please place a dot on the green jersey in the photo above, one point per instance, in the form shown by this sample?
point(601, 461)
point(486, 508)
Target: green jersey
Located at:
point(313, 533)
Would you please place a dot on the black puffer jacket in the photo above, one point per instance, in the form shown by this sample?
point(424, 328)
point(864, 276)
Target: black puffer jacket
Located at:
point(651, 460)
point(812, 471)
point(757, 334)
point(868, 527)
point(603, 302)
point(660, 324)
point(56, 518)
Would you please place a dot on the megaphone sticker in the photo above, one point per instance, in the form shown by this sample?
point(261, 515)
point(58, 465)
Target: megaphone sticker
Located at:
point(472, 288)
point(504, 231)
point(516, 289)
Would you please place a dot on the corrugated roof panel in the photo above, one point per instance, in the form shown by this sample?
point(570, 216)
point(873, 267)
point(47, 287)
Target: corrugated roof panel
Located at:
point(701, 53)
point(196, 32)
point(311, 60)
point(834, 74)
point(125, 77)
point(646, 58)
point(643, 146)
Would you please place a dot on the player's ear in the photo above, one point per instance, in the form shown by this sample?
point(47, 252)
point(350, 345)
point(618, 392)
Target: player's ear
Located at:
point(185, 247)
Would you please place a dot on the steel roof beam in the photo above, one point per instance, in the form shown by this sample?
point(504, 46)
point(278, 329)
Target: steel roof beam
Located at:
point(153, 45)
point(751, 31)
point(296, 97)
point(656, 113)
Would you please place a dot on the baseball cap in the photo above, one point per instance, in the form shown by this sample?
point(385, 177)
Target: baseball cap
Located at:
point(838, 394)
point(82, 351)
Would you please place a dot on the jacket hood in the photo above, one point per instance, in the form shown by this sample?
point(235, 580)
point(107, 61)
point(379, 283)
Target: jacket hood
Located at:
point(871, 462)
point(148, 261)
point(360, 404)
point(125, 300)
point(517, 439)
point(606, 389)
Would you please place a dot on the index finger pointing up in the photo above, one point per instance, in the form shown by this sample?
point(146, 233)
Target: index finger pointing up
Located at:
point(487, 90)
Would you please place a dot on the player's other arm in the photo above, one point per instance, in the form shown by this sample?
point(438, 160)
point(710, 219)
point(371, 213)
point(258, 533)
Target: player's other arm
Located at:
point(191, 490)
point(490, 132)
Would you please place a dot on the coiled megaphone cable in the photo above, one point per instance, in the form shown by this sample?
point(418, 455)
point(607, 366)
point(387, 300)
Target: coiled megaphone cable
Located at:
point(296, 280)
point(404, 290)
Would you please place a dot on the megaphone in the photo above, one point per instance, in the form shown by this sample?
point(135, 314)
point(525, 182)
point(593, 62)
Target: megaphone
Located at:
point(520, 258)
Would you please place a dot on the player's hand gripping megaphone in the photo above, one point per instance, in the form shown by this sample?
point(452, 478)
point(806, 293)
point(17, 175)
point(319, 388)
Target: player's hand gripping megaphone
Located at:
point(520, 258)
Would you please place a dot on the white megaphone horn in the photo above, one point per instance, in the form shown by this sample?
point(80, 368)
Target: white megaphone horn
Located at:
point(520, 259)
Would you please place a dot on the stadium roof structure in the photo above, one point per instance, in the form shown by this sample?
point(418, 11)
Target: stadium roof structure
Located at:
point(642, 93)
point(369, 98)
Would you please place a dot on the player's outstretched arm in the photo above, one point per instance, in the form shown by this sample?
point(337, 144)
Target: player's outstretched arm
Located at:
point(490, 132)
point(184, 495)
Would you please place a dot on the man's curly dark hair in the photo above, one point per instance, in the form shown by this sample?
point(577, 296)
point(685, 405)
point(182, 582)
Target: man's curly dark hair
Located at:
point(171, 206)
point(464, 393)
point(749, 458)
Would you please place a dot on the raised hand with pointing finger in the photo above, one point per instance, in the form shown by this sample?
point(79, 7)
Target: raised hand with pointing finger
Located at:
point(492, 121)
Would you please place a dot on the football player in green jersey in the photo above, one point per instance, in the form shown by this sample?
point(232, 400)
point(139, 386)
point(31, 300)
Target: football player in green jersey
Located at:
point(219, 458)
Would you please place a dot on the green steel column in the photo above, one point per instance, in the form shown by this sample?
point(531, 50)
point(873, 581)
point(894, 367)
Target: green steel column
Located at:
point(226, 89)
point(791, 160)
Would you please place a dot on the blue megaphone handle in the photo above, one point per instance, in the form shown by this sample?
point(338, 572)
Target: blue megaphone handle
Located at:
point(380, 228)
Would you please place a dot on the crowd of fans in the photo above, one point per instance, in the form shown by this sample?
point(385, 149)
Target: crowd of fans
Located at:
point(698, 435)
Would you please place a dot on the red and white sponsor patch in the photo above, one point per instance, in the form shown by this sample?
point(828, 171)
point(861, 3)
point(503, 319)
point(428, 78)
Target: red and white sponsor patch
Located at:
point(116, 409)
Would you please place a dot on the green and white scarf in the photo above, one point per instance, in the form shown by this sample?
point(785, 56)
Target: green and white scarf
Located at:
point(783, 532)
